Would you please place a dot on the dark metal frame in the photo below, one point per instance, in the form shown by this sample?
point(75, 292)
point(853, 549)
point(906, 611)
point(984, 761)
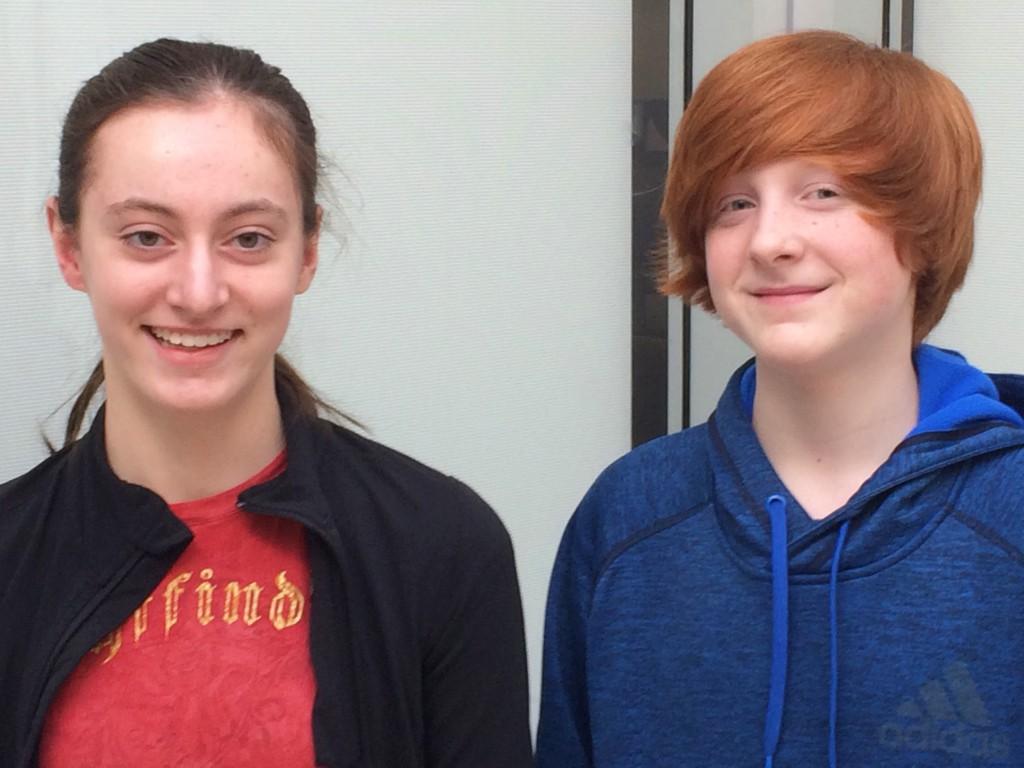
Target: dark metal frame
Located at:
point(687, 92)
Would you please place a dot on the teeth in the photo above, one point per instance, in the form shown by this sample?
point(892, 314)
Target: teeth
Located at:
point(192, 340)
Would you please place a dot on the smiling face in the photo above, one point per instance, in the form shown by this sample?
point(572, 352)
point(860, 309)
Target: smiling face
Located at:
point(190, 246)
point(797, 272)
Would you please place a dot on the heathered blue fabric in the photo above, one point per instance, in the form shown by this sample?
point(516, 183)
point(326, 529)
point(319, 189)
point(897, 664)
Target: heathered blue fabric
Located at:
point(659, 621)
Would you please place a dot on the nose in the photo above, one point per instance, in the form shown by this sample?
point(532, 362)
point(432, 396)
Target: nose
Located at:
point(197, 286)
point(777, 234)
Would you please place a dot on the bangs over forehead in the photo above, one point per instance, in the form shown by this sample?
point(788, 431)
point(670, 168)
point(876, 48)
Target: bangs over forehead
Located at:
point(899, 134)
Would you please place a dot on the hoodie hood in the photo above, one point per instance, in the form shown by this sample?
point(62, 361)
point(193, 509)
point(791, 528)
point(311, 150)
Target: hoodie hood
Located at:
point(963, 414)
point(952, 393)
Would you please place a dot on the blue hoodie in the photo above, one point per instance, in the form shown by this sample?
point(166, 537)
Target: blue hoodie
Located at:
point(698, 617)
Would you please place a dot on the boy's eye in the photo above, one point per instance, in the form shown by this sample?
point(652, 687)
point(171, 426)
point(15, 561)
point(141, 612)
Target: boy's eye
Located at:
point(144, 239)
point(736, 204)
point(251, 241)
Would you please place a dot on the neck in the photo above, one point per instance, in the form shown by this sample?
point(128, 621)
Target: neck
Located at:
point(826, 432)
point(185, 456)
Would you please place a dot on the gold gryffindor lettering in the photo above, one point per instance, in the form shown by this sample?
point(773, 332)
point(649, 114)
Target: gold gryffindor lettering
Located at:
point(172, 599)
point(204, 597)
point(110, 643)
point(251, 608)
point(286, 607)
point(140, 618)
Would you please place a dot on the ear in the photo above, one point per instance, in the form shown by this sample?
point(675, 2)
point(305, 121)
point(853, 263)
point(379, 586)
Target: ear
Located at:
point(65, 246)
point(310, 254)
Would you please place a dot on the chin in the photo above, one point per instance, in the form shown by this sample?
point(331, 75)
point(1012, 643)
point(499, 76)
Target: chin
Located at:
point(206, 398)
point(798, 353)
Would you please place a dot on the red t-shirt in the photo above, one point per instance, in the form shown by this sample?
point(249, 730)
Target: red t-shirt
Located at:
point(213, 669)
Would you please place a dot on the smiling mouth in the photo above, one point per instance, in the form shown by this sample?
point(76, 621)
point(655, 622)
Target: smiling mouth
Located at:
point(789, 290)
point(185, 340)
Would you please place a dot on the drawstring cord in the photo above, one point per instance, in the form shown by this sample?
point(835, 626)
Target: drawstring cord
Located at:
point(833, 618)
point(776, 507)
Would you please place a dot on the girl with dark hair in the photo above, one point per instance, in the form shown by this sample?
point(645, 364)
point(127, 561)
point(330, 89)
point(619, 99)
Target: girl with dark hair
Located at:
point(212, 575)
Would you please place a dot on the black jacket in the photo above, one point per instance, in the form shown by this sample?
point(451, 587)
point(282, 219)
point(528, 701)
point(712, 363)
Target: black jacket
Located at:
point(416, 631)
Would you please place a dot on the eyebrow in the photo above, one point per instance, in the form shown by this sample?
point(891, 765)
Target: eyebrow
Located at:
point(138, 204)
point(259, 205)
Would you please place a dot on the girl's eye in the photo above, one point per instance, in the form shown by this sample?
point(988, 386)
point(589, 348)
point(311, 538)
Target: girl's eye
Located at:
point(144, 239)
point(251, 241)
point(824, 193)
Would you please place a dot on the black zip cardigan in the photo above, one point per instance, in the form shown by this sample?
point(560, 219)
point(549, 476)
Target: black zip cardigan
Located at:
point(416, 629)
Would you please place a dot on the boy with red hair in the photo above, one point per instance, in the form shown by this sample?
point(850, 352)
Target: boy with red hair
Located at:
point(829, 569)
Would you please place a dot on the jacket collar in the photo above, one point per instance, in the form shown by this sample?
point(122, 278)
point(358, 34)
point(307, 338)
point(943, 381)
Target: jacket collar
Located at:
point(140, 515)
point(145, 519)
point(297, 492)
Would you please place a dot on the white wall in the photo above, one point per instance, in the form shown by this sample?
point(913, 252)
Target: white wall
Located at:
point(979, 46)
point(479, 317)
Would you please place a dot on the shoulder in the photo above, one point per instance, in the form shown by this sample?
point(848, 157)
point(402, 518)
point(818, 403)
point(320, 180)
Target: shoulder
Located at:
point(402, 492)
point(992, 497)
point(419, 531)
point(654, 486)
point(29, 505)
point(25, 493)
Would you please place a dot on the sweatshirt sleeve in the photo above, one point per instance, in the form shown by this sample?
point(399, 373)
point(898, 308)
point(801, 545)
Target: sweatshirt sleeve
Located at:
point(563, 735)
point(475, 694)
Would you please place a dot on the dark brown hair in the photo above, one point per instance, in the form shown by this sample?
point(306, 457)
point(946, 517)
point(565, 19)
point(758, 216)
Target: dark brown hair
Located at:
point(900, 134)
point(179, 71)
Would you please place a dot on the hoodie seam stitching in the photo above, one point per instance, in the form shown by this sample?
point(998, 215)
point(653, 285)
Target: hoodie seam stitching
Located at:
point(645, 533)
point(989, 535)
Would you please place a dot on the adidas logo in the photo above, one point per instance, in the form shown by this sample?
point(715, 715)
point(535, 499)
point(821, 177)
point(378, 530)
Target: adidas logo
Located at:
point(947, 716)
